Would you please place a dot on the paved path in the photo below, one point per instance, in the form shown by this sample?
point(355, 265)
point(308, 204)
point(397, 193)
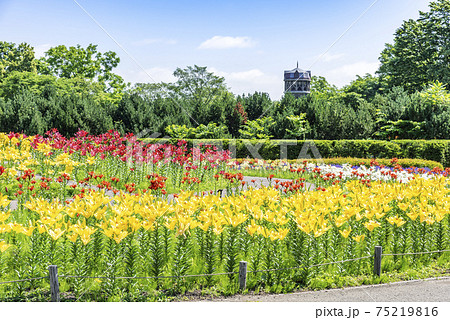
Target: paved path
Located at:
point(431, 290)
point(255, 182)
point(260, 181)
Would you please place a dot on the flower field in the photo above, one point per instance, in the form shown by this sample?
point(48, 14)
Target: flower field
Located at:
point(321, 173)
point(99, 206)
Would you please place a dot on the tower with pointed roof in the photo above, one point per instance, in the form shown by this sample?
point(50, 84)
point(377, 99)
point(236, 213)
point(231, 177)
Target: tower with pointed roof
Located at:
point(297, 82)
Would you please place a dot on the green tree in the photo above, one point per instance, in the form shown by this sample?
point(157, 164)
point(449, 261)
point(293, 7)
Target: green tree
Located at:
point(134, 113)
point(256, 104)
point(25, 116)
point(17, 81)
point(367, 86)
point(435, 93)
point(258, 129)
point(401, 129)
point(16, 58)
point(85, 63)
point(235, 117)
point(180, 132)
point(149, 91)
point(211, 131)
point(167, 111)
point(364, 124)
point(320, 86)
point(421, 50)
point(7, 115)
point(439, 127)
point(280, 111)
point(299, 126)
point(197, 88)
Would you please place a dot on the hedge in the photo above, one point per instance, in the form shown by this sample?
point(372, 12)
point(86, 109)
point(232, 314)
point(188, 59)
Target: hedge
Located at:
point(436, 150)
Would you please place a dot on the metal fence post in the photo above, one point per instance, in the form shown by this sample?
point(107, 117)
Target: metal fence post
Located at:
point(377, 260)
point(54, 283)
point(242, 274)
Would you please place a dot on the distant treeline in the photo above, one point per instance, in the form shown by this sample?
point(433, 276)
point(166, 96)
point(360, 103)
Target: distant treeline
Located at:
point(325, 114)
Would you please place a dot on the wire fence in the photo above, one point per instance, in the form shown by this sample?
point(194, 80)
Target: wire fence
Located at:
point(191, 275)
point(413, 253)
point(24, 280)
point(309, 266)
point(159, 277)
point(242, 273)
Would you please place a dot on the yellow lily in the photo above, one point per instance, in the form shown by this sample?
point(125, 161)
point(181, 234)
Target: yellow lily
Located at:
point(4, 202)
point(359, 238)
point(4, 246)
point(370, 225)
point(346, 232)
point(55, 234)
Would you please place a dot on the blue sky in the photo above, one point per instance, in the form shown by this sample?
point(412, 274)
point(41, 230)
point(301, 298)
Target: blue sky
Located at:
point(249, 43)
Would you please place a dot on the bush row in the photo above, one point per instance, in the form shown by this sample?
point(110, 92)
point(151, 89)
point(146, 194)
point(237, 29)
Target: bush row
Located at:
point(435, 150)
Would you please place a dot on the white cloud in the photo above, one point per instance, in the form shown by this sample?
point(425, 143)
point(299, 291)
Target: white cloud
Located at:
point(149, 41)
point(40, 49)
point(249, 81)
point(161, 74)
point(244, 76)
point(151, 75)
point(328, 57)
point(357, 68)
point(343, 75)
point(226, 42)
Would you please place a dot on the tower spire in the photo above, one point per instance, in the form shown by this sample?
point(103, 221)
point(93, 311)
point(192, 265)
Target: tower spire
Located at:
point(297, 64)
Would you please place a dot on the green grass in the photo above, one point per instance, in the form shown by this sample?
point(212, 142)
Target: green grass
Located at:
point(188, 290)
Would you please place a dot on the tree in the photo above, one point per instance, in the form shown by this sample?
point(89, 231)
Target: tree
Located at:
point(300, 127)
point(260, 128)
point(401, 129)
point(412, 116)
point(16, 58)
point(438, 125)
point(216, 111)
point(22, 115)
point(421, 50)
point(130, 111)
point(256, 104)
point(435, 93)
point(198, 88)
point(288, 106)
point(166, 112)
point(7, 116)
point(235, 117)
point(85, 63)
point(320, 86)
point(150, 91)
point(17, 81)
point(367, 86)
point(364, 123)
point(211, 131)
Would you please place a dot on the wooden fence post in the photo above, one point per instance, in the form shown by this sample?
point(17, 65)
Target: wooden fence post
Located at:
point(377, 260)
point(242, 274)
point(54, 283)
